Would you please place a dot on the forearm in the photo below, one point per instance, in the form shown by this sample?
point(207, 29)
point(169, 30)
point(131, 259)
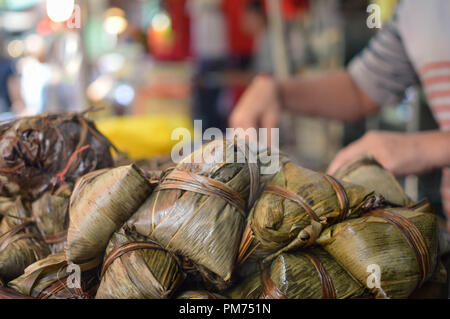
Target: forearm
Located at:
point(332, 95)
point(434, 147)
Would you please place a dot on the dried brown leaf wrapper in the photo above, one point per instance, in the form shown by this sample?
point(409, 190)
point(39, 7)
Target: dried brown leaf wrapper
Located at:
point(39, 153)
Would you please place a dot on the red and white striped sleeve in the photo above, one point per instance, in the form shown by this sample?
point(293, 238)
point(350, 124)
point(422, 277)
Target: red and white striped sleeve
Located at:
point(435, 78)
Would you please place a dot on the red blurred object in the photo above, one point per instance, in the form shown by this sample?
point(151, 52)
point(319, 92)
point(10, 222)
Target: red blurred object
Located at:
point(293, 8)
point(45, 27)
point(240, 43)
point(174, 45)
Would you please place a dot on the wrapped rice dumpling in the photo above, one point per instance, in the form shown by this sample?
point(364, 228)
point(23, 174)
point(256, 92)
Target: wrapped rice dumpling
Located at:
point(199, 209)
point(309, 274)
point(51, 213)
point(199, 294)
point(100, 203)
point(137, 268)
point(295, 207)
point(365, 170)
point(53, 278)
point(42, 151)
point(20, 242)
point(400, 244)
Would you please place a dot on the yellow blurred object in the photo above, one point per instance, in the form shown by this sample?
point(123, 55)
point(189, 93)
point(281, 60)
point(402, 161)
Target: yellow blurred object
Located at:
point(145, 136)
point(387, 8)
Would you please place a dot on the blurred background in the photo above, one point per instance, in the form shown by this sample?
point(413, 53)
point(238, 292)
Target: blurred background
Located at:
point(154, 65)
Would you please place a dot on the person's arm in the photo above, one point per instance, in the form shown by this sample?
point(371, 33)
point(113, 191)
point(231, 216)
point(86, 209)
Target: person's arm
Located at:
point(331, 95)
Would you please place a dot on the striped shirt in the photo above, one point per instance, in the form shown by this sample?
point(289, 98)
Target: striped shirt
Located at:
point(412, 49)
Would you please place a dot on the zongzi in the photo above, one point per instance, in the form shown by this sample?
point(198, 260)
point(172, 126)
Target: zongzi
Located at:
point(366, 171)
point(42, 151)
point(308, 274)
point(54, 278)
point(398, 246)
point(51, 213)
point(295, 207)
point(20, 242)
point(199, 208)
point(100, 203)
point(137, 268)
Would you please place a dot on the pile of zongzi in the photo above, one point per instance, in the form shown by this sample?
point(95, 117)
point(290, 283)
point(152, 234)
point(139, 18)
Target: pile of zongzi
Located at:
point(41, 157)
point(212, 226)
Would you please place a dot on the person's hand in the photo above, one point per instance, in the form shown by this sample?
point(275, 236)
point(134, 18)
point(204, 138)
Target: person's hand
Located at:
point(259, 106)
point(400, 153)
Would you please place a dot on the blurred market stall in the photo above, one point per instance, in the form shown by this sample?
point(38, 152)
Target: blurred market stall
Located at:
point(153, 65)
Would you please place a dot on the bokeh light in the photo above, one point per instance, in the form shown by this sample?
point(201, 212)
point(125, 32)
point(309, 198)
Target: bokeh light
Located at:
point(124, 94)
point(115, 24)
point(16, 48)
point(60, 10)
point(115, 21)
point(161, 22)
